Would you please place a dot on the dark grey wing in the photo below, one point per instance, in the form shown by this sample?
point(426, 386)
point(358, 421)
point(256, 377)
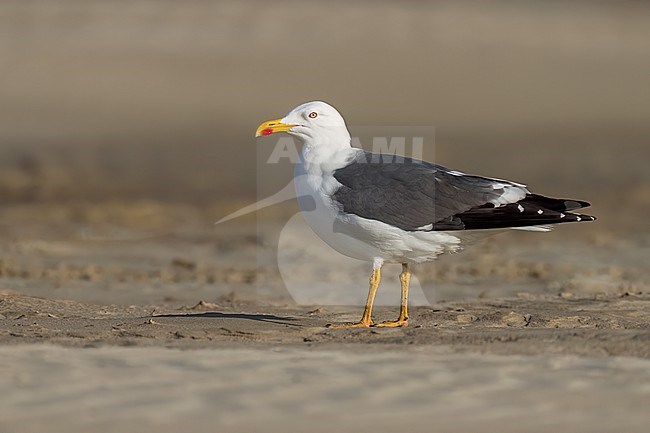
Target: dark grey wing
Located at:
point(416, 195)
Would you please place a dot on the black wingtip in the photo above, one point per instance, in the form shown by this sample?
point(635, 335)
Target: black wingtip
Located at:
point(556, 204)
point(575, 204)
point(576, 217)
point(521, 214)
point(586, 218)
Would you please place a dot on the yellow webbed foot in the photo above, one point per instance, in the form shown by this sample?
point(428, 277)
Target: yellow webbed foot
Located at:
point(400, 323)
point(362, 324)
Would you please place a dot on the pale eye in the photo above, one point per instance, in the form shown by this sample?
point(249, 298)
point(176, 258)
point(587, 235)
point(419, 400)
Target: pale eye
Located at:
point(313, 115)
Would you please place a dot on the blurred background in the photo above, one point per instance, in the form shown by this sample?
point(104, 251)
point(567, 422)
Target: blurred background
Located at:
point(117, 116)
point(160, 99)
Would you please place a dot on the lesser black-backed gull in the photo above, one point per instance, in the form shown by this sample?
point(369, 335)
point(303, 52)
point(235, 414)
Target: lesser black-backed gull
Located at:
point(384, 209)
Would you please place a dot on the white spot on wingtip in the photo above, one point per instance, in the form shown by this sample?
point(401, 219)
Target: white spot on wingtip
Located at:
point(520, 207)
point(562, 215)
point(425, 228)
point(578, 219)
point(540, 211)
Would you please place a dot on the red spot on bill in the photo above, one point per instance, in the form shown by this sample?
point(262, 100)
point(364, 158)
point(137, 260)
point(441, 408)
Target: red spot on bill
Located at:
point(267, 131)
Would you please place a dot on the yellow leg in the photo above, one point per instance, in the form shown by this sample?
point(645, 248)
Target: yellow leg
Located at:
point(366, 319)
point(404, 279)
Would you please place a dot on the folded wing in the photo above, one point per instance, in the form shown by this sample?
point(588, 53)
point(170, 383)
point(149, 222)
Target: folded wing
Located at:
point(415, 195)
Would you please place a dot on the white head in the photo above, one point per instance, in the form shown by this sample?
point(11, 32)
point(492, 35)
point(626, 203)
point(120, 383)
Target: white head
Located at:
point(314, 123)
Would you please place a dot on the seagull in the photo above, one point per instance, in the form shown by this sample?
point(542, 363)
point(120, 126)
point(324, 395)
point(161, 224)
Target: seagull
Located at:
point(384, 208)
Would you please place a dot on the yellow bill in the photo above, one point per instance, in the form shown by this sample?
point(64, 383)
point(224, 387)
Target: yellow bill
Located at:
point(271, 127)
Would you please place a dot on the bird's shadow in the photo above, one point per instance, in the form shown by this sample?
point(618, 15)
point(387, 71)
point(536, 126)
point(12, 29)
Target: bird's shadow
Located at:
point(269, 318)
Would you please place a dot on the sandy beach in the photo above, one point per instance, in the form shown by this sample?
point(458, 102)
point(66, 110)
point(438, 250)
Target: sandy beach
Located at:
point(508, 364)
point(96, 336)
point(289, 389)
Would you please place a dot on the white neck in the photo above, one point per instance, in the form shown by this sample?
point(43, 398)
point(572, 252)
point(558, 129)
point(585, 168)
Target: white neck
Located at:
point(326, 152)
